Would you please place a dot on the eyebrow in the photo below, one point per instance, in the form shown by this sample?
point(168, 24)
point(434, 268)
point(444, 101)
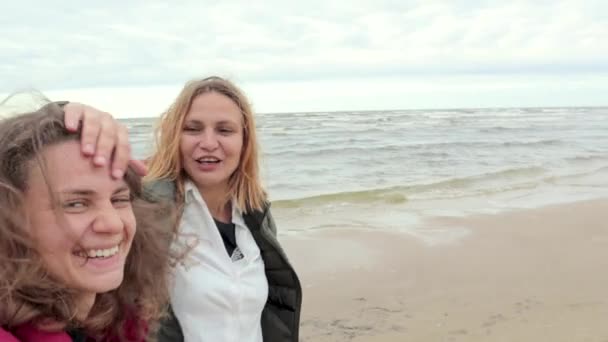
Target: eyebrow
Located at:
point(221, 122)
point(87, 192)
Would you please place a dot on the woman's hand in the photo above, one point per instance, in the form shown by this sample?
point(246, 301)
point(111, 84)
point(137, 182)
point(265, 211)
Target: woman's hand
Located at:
point(103, 138)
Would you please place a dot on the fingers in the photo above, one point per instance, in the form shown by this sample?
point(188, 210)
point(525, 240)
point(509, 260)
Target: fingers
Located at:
point(76, 113)
point(139, 167)
point(91, 119)
point(102, 137)
point(122, 151)
point(73, 114)
point(106, 138)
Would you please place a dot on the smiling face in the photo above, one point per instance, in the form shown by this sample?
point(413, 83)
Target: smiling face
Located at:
point(211, 141)
point(84, 229)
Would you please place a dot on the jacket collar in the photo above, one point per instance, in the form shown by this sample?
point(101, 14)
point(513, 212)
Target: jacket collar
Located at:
point(255, 218)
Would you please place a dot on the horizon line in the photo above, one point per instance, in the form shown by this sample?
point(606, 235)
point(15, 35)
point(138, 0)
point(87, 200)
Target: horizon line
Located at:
point(406, 110)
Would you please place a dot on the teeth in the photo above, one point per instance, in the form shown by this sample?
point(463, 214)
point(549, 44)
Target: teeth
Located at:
point(208, 159)
point(99, 253)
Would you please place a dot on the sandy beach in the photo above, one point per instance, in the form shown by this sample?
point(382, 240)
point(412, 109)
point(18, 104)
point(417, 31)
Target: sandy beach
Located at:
point(527, 275)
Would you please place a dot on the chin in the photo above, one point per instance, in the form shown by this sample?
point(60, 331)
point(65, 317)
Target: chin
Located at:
point(208, 182)
point(104, 284)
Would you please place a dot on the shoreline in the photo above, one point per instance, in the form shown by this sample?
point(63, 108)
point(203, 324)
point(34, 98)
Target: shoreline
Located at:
point(413, 216)
point(524, 275)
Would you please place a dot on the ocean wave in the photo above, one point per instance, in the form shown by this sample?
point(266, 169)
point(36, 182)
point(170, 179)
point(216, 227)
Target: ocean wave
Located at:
point(140, 128)
point(504, 129)
point(573, 177)
point(504, 180)
point(544, 142)
point(314, 149)
point(588, 158)
point(389, 196)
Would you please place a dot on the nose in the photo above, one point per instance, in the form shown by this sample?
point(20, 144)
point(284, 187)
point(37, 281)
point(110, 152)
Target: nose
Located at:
point(208, 141)
point(108, 221)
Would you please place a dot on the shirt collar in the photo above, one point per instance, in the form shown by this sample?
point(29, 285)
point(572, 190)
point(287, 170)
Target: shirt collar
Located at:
point(191, 192)
point(193, 195)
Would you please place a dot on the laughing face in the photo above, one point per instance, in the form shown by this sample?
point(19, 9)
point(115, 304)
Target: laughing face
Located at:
point(211, 141)
point(83, 230)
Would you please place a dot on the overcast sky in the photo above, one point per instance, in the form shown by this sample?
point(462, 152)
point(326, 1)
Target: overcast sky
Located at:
point(131, 57)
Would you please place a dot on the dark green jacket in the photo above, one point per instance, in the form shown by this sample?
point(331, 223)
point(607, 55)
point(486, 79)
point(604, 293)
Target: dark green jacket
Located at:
point(281, 315)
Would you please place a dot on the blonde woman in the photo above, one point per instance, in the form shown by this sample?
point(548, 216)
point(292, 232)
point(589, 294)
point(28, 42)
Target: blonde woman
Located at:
point(236, 284)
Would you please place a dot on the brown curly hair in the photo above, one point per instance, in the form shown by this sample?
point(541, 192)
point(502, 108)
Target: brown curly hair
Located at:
point(27, 292)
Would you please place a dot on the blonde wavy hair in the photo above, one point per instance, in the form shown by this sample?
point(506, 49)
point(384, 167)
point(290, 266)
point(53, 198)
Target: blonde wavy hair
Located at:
point(28, 293)
point(245, 185)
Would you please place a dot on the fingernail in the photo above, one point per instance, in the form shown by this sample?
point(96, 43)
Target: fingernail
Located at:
point(99, 160)
point(88, 149)
point(117, 173)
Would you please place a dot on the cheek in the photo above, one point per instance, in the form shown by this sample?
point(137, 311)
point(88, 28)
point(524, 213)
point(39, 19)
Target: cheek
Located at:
point(130, 224)
point(182, 147)
point(236, 147)
point(53, 236)
point(56, 252)
point(187, 143)
point(55, 244)
point(184, 144)
point(186, 148)
point(183, 152)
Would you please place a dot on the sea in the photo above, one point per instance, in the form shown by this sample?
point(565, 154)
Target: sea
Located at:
point(394, 169)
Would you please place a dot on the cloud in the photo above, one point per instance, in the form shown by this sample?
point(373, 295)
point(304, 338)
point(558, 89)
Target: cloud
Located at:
point(65, 44)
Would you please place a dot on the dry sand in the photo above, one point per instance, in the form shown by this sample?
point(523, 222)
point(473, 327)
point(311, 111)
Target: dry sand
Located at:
point(530, 275)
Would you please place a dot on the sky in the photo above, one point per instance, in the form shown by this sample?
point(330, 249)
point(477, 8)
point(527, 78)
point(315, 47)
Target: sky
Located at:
point(132, 57)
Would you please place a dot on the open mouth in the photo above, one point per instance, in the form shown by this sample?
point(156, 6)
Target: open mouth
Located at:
point(98, 253)
point(208, 160)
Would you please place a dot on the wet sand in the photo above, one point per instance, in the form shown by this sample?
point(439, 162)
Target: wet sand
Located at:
point(529, 275)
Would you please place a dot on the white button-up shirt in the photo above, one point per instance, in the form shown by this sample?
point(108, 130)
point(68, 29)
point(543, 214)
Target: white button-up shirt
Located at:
point(214, 298)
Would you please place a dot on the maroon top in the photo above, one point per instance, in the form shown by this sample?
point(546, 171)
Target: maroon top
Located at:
point(135, 331)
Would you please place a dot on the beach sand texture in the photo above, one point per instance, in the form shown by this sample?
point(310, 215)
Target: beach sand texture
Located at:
point(525, 275)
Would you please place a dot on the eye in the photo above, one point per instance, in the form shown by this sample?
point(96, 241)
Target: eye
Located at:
point(226, 130)
point(122, 201)
point(75, 206)
point(191, 129)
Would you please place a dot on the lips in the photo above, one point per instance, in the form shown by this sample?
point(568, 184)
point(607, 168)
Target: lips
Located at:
point(98, 252)
point(208, 160)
